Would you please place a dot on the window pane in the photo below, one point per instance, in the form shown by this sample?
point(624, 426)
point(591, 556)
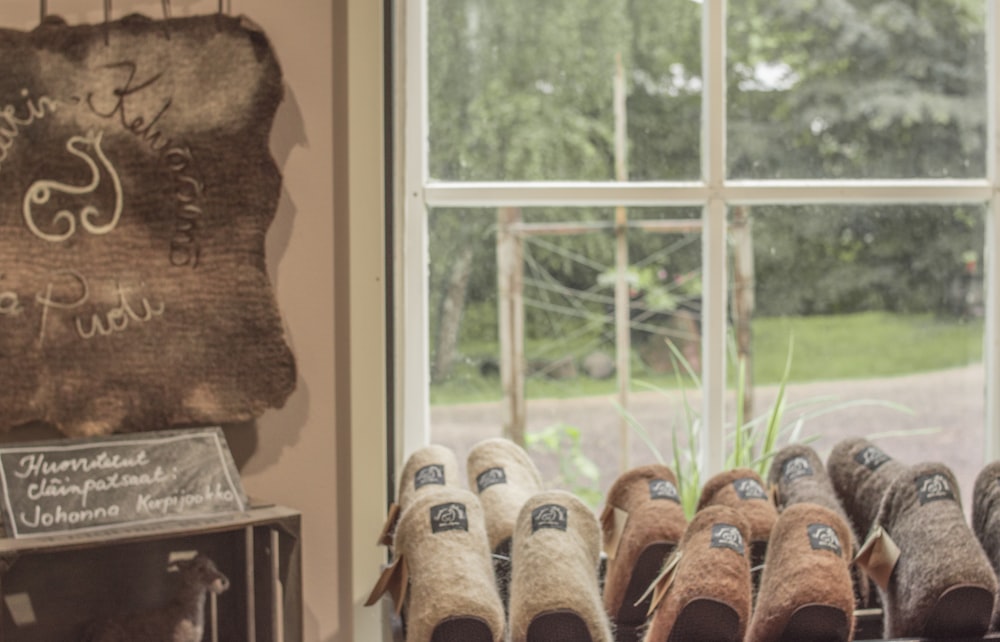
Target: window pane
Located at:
point(882, 307)
point(568, 272)
point(524, 90)
point(857, 89)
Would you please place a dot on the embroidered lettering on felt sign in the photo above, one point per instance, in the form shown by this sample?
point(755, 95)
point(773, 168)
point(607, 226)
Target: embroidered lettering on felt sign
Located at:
point(933, 487)
point(663, 489)
point(727, 536)
point(823, 537)
point(749, 488)
point(871, 458)
point(429, 475)
point(795, 468)
point(451, 516)
point(549, 516)
point(490, 477)
point(136, 191)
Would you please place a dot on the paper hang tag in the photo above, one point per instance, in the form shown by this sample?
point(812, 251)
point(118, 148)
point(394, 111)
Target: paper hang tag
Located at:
point(878, 557)
point(774, 494)
point(385, 537)
point(661, 584)
point(613, 521)
point(394, 579)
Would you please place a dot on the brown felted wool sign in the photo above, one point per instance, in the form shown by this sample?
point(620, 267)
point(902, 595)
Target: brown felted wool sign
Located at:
point(136, 191)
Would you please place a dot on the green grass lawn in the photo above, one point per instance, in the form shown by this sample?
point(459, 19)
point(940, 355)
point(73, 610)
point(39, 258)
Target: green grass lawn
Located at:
point(871, 344)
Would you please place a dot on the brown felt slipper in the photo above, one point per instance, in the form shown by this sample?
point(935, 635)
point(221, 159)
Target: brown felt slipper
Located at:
point(642, 522)
point(806, 592)
point(798, 476)
point(743, 489)
point(986, 520)
point(860, 472)
point(441, 576)
point(934, 579)
point(505, 477)
point(704, 592)
point(554, 593)
point(426, 469)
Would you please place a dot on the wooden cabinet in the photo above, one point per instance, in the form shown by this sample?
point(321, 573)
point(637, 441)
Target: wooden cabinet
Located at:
point(52, 587)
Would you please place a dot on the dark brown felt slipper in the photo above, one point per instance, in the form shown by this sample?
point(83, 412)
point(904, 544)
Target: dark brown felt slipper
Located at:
point(806, 592)
point(441, 577)
point(705, 590)
point(986, 520)
point(642, 522)
point(505, 477)
point(798, 475)
point(940, 583)
point(743, 489)
point(425, 470)
point(860, 472)
point(554, 592)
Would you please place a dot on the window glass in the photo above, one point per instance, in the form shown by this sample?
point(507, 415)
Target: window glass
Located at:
point(882, 307)
point(524, 90)
point(567, 264)
point(857, 89)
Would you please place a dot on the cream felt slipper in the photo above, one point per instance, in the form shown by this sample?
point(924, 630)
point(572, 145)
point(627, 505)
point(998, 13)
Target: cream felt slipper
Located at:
point(441, 577)
point(806, 591)
point(426, 469)
point(554, 594)
point(743, 489)
point(860, 472)
point(642, 522)
point(986, 521)
point(934, 579)
point(798, 475)
point(505, 477)
point(704, 591)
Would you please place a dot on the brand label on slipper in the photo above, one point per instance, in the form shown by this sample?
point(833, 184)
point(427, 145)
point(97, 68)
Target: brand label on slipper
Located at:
point(429, 474)
point(727, 536)
point(663, 489)
point(933, 487)
point(871, 458)
point(449, 517)
point(749, 488)
point(795, 468)
point(490, 477)
point(823, 537)
point(549, 516)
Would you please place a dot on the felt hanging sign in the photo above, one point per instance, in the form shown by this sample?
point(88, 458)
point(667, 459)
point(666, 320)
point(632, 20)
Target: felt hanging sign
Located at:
point(136, 191)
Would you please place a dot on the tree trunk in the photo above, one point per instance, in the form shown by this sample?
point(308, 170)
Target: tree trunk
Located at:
point(452, 306)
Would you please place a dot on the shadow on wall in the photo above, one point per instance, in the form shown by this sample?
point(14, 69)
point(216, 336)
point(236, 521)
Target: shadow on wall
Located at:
point(255, 452)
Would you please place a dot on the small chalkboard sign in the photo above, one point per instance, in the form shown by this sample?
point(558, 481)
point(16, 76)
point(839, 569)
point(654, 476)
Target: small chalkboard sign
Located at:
point(109, 482)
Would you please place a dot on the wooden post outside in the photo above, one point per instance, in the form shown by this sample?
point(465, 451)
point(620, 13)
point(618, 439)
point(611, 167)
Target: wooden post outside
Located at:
point(743, 297)
point(623, 300)
point(510, 306)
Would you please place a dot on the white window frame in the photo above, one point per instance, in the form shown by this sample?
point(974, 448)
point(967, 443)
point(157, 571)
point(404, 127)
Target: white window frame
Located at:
point(714, 193)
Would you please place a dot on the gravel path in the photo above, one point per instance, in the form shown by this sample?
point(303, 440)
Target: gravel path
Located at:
point(950, 403)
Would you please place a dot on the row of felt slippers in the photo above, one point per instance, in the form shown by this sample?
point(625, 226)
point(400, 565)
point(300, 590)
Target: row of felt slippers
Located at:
point(754, 563)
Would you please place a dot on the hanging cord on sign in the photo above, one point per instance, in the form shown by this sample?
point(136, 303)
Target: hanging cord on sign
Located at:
point(166, 18)
point(43, 8)
point(107, 20)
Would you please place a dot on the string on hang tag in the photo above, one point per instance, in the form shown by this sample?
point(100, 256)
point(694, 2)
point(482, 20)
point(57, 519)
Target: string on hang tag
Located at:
point(166, 18)
point(107, 20)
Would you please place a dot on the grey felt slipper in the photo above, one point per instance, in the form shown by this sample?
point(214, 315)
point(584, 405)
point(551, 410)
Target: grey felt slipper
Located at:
point(936, 580)
point(860, 472)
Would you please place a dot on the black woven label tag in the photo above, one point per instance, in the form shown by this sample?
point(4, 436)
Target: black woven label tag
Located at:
point(749, 488)
point(823, 537)
point(449, 517)
point(430, 474)
point(795, 468)
point(549, 516)
point(663, 489)
point(871, 458)
point(933, 487)
point(727, 536)
point(490, 477)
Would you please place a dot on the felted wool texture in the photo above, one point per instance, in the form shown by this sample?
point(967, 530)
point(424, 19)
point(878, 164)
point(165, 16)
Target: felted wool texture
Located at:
point(650, 519)
point(505, 477)
point(802, 570)
point(556, 569)
point(986, 520)
point(759, 513)
point(937, 547)
point(859, 486)
point(450, 570)
point(703, 571)
point(427, 469)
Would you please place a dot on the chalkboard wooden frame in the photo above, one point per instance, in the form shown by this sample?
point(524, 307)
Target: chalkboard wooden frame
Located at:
point(117, 481)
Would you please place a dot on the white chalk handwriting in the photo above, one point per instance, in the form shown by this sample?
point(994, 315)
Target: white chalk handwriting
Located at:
point(12, 122)
point(41, 191)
